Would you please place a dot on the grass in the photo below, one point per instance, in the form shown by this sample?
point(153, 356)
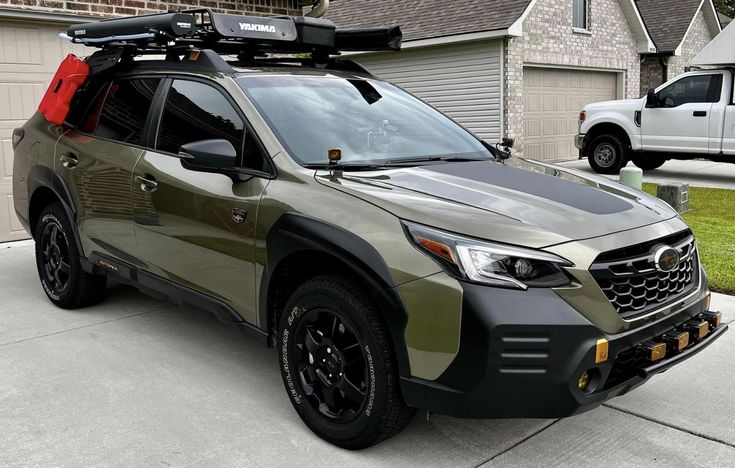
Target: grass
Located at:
point(712, 218)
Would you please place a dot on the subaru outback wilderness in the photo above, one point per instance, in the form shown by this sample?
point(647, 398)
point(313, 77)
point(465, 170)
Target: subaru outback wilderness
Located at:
point(395, 261)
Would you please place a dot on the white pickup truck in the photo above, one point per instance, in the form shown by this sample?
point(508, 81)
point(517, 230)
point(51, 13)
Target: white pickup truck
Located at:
point(691, 116)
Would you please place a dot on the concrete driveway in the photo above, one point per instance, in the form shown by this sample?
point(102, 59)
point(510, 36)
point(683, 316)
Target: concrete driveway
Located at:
point(695, 173)
point(135, 381)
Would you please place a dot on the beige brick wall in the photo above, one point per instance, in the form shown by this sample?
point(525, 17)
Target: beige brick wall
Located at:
point(548, 38)
point(652, 73)
point(142, 7)
point(698, 37)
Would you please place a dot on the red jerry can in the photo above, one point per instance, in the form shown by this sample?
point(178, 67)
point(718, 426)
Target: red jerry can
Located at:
point(72, 73)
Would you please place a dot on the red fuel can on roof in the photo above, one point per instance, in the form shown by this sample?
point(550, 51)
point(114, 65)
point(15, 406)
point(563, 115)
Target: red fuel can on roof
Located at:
point(72, 73)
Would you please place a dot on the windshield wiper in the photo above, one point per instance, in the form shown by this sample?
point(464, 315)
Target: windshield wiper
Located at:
point(430, 159)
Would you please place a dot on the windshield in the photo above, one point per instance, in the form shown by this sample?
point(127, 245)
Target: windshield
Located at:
point(370, 121)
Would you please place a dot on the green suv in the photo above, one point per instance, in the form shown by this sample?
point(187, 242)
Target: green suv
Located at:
point(394, 260)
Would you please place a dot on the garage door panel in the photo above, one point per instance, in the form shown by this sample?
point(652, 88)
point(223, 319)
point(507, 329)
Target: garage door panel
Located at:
point(461, 80)
point(553, 100)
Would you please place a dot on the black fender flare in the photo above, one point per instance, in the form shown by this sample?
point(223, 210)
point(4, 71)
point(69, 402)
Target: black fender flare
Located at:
point(293, 233)
point(42, 176)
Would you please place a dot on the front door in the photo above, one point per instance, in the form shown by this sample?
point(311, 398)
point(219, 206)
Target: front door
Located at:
point(680, 123)
point(96, 160)
point(196, 228)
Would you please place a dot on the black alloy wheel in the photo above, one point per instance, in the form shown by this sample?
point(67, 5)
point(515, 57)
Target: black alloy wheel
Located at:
point(332, 365)
point(58, 261)
point(55, 258)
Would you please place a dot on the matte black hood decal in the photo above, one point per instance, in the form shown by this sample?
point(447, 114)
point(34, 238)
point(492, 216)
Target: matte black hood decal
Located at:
point(579, 196)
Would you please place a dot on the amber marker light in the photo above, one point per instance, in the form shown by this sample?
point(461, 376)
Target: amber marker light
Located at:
point(677, 340)
point(601, 351)
point(653, 350)
point(438, 248)
point(714, 318)
point(707, 299)
point(334, 155)
point(584, 381)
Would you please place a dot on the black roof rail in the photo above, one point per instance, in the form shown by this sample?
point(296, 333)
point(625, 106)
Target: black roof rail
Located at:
point(246, 37)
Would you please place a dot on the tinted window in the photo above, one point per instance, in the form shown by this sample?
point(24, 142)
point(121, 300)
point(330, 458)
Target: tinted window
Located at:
point(700, 88)
point(122, 116)
point(195, 111)
point(368, 120)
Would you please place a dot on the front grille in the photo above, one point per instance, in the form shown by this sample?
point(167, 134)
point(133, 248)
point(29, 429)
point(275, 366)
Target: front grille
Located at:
point(634, 286)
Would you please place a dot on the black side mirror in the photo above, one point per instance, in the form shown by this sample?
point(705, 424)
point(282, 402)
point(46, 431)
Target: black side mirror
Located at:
point(652, 99)
point(216, 156)
point(213, 154)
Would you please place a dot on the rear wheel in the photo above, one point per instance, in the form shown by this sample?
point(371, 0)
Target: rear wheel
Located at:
point(59, 268)
point(648, 162)
point(607, 154)
point(338, 366)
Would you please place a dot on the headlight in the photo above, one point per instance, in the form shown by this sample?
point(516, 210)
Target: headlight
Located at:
point(490, 263)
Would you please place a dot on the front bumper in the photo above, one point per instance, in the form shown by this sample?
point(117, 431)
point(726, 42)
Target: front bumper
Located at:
point(579, 141)
point(522, 354)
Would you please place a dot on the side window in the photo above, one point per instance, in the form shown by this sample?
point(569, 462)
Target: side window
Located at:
point(195, 111)
point(121, 112)
point(698, 88)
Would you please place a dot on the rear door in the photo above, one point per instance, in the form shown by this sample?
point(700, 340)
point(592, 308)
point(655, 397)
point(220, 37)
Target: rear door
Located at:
point(682, 122)
point(195, 228)
point(96, 160)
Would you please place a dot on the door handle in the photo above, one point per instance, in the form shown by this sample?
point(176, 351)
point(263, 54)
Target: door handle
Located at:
point(147, 183)
point(700, 114)
point(69, 160)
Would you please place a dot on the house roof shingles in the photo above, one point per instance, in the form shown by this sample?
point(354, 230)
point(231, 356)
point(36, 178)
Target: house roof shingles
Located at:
point(667, 21)
point(424, 19)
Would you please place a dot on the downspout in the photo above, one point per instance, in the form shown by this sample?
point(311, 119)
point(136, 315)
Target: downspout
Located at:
point(664, 61)
point(318, 8)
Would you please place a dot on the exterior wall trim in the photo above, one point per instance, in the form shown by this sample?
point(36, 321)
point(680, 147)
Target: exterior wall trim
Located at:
point(47, 17)
point(710, 15)
point(645, 43)
point(516, 29)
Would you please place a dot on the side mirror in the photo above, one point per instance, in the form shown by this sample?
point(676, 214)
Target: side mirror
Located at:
point(208, 154)
point(215, 156)
point(652, 99)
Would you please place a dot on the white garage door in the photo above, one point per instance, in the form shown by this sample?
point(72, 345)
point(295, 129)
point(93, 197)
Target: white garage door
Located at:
point(29, 56)
point(462, 81)
point(553, 99)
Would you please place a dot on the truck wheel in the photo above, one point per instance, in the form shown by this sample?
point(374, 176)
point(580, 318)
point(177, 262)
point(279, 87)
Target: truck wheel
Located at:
point(59, 268)
point(338, 367)
point(607, 154)
point(648, 162)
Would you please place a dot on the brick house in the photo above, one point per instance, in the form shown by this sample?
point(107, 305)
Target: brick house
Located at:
point(524, 68)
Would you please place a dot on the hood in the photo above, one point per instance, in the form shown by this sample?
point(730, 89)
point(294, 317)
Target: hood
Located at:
point(620, 104)
point(520, 202)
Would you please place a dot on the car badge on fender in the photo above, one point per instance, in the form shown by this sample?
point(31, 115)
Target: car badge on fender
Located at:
point(239, 215)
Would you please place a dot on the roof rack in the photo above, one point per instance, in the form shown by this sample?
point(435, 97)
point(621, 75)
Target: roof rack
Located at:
point(246, 37)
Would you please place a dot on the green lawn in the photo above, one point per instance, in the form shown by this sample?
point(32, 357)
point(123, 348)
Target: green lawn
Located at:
point(712, 218)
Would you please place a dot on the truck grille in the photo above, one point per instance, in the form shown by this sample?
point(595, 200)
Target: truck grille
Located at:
point(634, 286)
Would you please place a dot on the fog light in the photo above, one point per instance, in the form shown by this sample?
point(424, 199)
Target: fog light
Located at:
point(698, 329)
point(714, 318)
point(653, 351)
point(601, 351)
point(677, 340)
point(584, 381)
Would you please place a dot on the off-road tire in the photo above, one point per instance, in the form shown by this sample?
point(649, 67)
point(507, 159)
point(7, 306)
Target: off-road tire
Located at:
point(607, 154)
point(383, 412)
point(80, 288)
point(648, 162)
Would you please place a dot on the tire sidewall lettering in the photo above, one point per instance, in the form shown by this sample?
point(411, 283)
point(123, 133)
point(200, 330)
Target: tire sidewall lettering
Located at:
point(293, 389)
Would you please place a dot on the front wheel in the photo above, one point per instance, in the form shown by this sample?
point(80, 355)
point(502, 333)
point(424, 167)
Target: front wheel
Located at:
point(338, 366)
point(648, 162)
point(607, 154)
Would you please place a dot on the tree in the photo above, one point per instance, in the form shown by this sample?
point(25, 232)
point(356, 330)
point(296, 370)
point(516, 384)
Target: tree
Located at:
point(726, 6)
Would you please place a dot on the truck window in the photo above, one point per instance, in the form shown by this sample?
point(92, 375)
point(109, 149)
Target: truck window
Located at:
point(697, 88)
